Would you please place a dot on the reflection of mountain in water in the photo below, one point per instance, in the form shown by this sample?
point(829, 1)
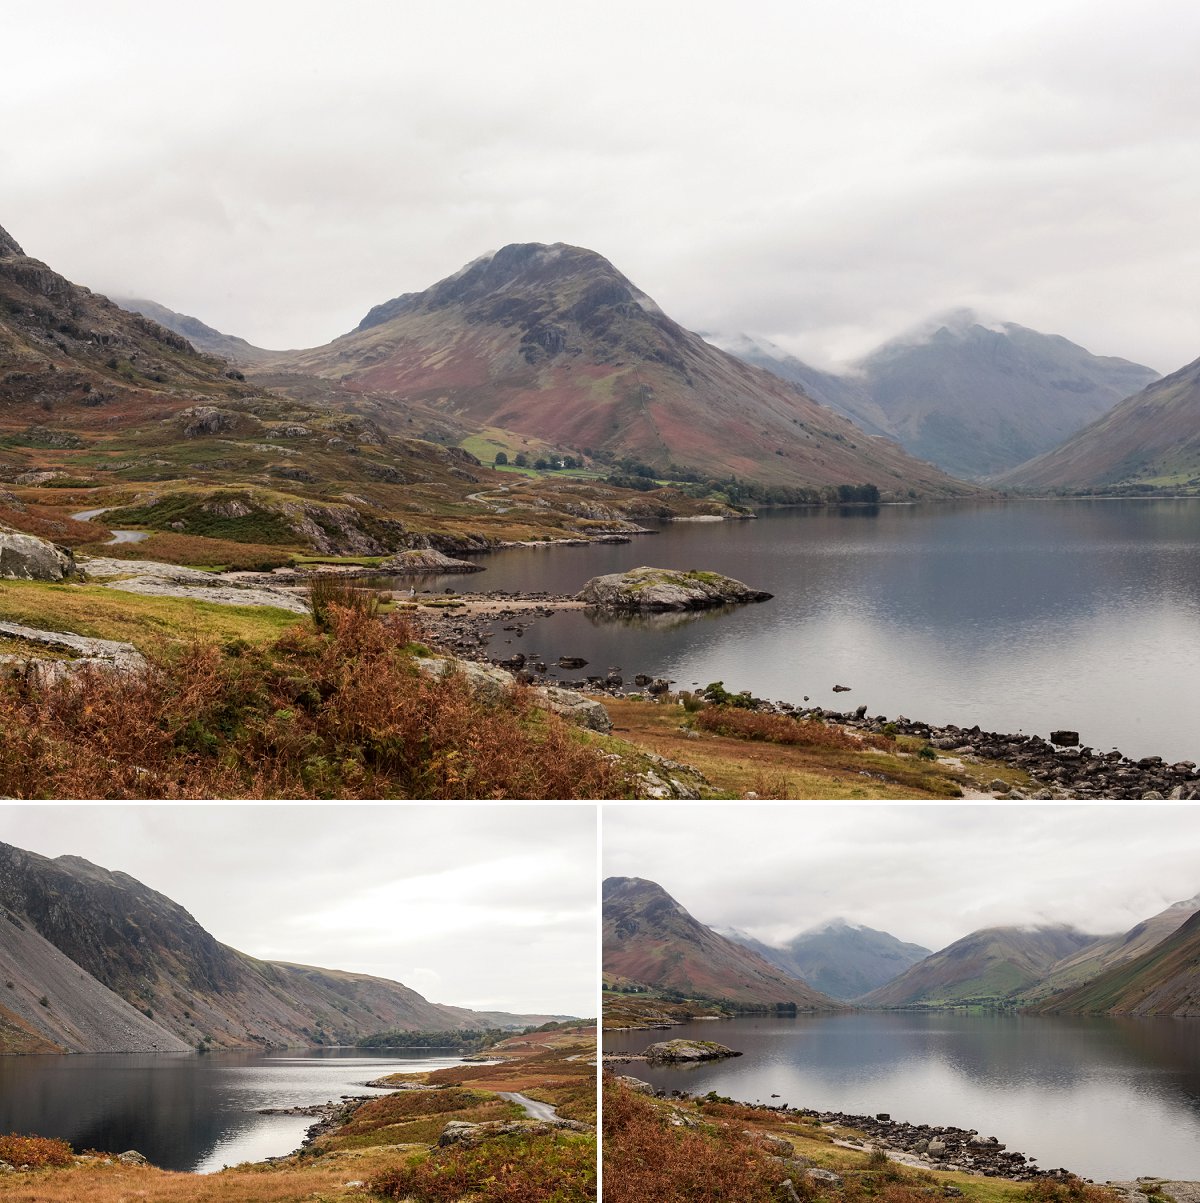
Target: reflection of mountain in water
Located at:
point(662, 620)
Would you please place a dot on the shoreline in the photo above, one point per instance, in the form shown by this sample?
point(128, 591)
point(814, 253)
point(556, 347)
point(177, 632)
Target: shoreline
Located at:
point(1067, 769)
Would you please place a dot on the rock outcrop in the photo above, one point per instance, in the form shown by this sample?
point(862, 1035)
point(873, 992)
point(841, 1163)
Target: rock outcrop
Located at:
point(689, 1050)
point(28, 558)
point(666, 589)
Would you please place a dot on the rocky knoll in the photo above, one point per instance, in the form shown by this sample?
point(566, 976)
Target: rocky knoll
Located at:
point(666, 589)
point(688, 1050)
point(28, 558)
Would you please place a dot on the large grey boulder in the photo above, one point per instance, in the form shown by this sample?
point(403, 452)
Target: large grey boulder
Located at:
point(577, 708)
point(666, 589)
point(28, 558)
point(688, 1050)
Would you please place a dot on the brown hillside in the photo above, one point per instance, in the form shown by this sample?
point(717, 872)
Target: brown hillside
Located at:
point(649, 938)
point(553, 341)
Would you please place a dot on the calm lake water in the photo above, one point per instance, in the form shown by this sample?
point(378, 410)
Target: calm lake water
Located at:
point(186, 1112)
point(1106, 1098)
point(1018, 616)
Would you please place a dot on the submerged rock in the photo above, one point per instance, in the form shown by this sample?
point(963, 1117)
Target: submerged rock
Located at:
point(666, 589)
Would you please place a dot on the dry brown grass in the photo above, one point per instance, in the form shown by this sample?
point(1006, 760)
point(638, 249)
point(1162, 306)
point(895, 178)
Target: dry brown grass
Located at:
point(198, 551)
point(337, 714)
point(646, 1158)
point(34, 1152)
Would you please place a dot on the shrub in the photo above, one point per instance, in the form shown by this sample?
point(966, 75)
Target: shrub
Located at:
point(779, 729)
point(36, 1152)
point(552, 1168)
point(645, 1158)
point(341, 713)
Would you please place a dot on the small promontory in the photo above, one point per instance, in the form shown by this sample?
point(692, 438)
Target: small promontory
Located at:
point(689, 1050)
point(666, 589)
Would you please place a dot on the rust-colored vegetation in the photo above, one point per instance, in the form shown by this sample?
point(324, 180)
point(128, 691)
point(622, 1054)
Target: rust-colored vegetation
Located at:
point(646, 1157)
point(549, 1168)
point(34, 1152)
point(339, 712)
point(781, 729)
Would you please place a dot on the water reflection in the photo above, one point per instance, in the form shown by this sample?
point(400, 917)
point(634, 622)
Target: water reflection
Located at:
point(1104, 1097)
point(1020, 616)
point(182, 1111)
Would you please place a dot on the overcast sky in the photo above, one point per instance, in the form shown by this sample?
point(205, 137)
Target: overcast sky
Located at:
point(927, 874)
point(480, 906)
point(824, 174)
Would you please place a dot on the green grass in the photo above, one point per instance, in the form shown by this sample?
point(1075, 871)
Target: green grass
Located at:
point(146, 622)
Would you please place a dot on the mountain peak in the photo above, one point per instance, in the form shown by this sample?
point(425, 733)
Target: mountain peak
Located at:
point(8, 245)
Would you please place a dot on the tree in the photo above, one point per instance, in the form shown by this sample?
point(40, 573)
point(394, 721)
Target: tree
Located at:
point(501, 458)
point(521, 460)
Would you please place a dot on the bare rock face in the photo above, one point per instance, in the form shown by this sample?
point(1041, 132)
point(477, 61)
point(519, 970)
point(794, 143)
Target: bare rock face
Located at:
point(426, 560)
point(8, 245)
point(28, 558)
point(666, 589)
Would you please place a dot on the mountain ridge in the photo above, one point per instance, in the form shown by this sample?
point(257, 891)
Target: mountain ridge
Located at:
point(553, 340)
point(651, 938)
point(117, 949)
point(839, 958)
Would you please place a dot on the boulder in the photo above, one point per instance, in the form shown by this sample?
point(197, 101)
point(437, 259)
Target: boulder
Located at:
point(28, 558)
point(484, 680)
point(585, 711)
point(688, 1050)
point(426, 560)
point(666, 589)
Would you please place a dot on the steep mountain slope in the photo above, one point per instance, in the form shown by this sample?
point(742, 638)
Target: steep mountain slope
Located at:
point(553, 341)
point(846, 393)
point(841, 959)
point(1163, 981)
point(101, 944)
point(994, 964)
point(104, 408)
point(974, 398)
point(1116, 950)
point(1150, 438)
point(649, 938)
point(203, 337)
point(978, 399)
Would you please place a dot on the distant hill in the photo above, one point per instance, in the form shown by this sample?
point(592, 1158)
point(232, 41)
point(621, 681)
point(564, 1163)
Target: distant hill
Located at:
point(841, 959)
point(202, 337)
point(1097, 958)
point(1162, 981)
point(994, 964)
point(554, 341)
point(973, 397)
point(95, 961)
point(1151, 439)
point(649, 938)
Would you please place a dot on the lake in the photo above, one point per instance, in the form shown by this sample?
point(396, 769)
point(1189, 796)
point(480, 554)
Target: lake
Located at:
point(186, 1112)
point(1017, 616)
point(1106, 1098)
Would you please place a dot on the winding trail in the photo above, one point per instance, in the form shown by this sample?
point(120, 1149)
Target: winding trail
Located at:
point(119, 536)
point(482, 498)
point(533, 1108)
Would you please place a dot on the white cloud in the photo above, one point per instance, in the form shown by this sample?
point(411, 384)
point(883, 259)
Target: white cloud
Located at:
point(927, 874)
point(824, 174)
point(491, 905)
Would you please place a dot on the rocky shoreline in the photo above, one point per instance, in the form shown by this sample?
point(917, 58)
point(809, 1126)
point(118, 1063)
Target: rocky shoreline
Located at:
point(1062, 767)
